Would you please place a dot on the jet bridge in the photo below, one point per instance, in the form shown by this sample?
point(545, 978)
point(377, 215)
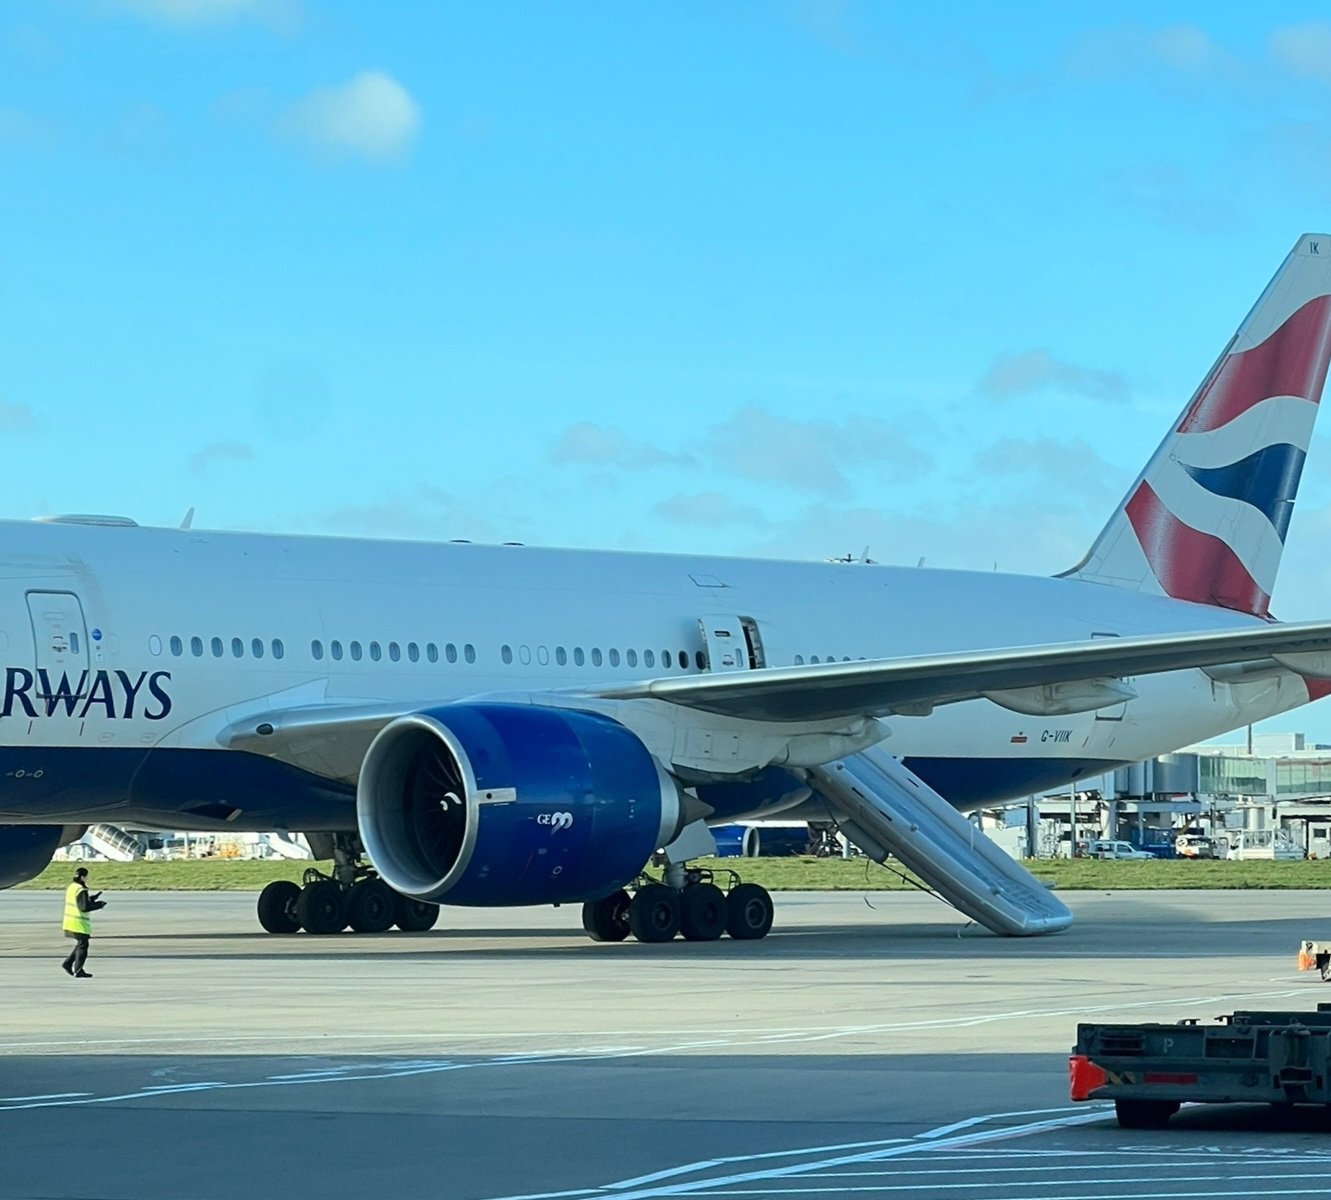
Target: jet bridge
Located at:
point(885, 809)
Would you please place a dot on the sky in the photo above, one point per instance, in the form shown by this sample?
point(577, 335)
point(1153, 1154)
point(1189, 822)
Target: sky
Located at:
point(801, 278)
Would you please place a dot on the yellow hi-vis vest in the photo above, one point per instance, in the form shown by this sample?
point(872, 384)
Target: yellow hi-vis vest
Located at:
point(75, 921)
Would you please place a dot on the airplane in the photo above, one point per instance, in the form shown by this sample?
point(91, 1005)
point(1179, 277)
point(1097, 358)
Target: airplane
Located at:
point(464, 724)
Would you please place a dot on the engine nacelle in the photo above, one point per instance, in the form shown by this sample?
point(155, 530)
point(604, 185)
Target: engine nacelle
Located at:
point(501, 804)
point(25, 851)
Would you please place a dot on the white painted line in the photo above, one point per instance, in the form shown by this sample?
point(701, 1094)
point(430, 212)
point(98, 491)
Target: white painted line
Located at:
point(51, 1096)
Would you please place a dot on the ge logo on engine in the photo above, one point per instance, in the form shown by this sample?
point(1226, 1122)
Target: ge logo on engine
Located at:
point(556, 820)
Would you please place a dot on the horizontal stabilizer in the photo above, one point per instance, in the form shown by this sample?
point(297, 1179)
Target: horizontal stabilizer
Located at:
point(883, 807)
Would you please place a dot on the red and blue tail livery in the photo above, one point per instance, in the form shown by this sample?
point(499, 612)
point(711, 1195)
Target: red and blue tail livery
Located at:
point(1206, 521)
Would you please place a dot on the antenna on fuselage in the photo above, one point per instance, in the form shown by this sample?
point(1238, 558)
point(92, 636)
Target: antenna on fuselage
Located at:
point(189, 519)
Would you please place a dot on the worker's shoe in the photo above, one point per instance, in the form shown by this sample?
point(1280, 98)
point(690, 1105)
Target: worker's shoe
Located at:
point(68, 968)
point(83, 975)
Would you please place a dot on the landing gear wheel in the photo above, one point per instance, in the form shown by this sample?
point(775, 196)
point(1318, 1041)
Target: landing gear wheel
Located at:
point(607, 919)
point(703, 912)
point(749, 912)
point(1144, 1114)
point(322, 907)
point(413, 916)
point(277, 907)
point(370, 906)
point(654, 913)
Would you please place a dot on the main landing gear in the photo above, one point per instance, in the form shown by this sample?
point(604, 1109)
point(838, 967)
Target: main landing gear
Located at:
point(687, 901)
point(353, 897)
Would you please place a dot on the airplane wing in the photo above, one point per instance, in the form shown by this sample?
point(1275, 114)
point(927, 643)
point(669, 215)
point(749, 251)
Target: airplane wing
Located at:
point(880, 687)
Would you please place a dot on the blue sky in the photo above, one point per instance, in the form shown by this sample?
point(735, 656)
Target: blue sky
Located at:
point(793, 278)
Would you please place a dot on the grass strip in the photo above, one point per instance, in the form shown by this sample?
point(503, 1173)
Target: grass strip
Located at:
point(778, 874)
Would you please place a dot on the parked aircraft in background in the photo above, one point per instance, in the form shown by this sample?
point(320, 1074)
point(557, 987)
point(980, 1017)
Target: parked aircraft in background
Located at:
point(502, 725)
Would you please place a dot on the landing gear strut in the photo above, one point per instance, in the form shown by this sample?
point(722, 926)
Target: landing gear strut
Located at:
point(684, 901)
point(353, 896)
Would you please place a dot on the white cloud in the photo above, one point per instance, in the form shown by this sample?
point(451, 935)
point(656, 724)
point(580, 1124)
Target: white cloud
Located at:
point(16, 418)
point(280, 16)
point(1035, 370)
point(1304, 49)
point(373, 116)
point(809, 456)
point(589, 444)
point(1178, 51)
point(708, 509)
point(23, 129)
point(219, 452)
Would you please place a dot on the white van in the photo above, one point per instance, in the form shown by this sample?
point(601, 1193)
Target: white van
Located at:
point(1108, 849)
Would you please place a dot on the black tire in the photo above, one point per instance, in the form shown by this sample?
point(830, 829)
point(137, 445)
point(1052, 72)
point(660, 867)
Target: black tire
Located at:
point(322, 907)
point(749, 912)
point(703, 912)
point(277, 907)
point(607, 919)
point(413, 916)
point(654, 913)
point(371, 906)
point(1144, 1114)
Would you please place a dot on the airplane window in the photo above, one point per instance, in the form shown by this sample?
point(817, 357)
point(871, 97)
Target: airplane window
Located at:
point(394, 651)
point(335, 649)
point(451, 652)
point(196, 647)
point(506, 653)
point(278, 649)
point(813, 658)
point(73, 643)
point(469, 652)
point(799, 660)
point(614, 658)
point(524, 655)
point(316, 650)
point(155, 644)
point(648, 658)
point(578, 656)
point(631, 657)
point(256, 647)
point(413, 652)
point(561, 656)
point(683, 661)
point(701, 659)
point(665, 658)
point(217, 647)
point(177, 646)
point(596, 657)
point(355, 651)
point(376, 653)
point(543, 656)
point(431, 651)
point(237, 648)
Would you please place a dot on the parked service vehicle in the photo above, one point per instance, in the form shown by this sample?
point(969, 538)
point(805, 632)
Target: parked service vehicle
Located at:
point(1194, 845)
point(1110, 849)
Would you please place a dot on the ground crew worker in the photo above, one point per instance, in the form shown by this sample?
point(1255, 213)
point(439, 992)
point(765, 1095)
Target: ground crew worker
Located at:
point(80, 904)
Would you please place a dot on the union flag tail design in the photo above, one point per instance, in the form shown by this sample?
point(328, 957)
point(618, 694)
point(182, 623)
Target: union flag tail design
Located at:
point(1206, 520)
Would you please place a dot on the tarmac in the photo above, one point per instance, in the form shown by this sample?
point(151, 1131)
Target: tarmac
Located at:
point(874, 1043)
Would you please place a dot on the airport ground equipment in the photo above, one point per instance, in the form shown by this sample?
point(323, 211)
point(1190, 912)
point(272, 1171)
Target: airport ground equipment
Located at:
point(1150, 1070)
point(1316, 956)
point(884, 808)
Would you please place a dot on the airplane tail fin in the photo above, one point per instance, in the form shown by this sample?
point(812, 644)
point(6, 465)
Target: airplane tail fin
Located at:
point(1206, 519)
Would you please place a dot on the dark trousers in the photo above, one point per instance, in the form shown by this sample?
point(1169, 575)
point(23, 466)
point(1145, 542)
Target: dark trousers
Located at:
point(79, 955)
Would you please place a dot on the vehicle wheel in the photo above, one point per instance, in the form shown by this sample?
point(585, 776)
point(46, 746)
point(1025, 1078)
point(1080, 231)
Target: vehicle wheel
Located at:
point(277, 907)
point(1144, 1114)
point(654, 913)
point(607, 919)
point(370, 907)
point(413, 916)
point(322, 907)
point(749, 912)
point(703, 912)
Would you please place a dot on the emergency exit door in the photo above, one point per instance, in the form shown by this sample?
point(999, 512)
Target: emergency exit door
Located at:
point(732, 643)
point(60, 637)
